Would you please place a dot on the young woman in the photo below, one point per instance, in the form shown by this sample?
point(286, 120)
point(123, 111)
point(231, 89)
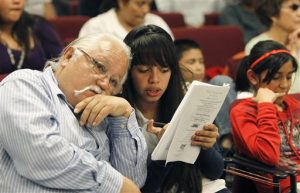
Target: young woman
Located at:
point(155, 88)
point(266, 127)
point(26, 41)
point(282, 18)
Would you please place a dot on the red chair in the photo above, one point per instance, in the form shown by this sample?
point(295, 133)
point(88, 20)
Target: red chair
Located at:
point(211, 18)
point(218, 43)
point(234, 62)
point(172, 19)
point(68, 27)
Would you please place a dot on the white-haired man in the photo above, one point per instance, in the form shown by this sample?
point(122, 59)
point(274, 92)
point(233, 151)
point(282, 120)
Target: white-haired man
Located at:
point(62, 130)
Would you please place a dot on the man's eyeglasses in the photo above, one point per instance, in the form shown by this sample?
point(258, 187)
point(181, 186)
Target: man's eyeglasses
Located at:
point(99, 68)
point(294, 7)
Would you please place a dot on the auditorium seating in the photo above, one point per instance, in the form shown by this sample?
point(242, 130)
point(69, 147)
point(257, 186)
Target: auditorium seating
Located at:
point(68, 27)
point(174, 19)
point(218, 43)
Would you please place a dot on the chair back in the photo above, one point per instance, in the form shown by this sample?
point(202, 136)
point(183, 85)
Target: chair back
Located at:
point(218, 43)
point(173, 19)
point(68, 27)
point(211, 18)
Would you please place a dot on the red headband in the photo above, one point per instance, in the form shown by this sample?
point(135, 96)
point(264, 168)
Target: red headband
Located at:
point(267, 55)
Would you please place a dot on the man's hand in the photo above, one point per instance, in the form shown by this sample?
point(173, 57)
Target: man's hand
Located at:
point(129, 186)
point(96, 108)
point(206, 137)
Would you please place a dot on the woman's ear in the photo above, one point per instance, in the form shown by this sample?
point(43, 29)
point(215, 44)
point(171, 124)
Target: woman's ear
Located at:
point(252, 77)
point(274, 19)
point(121, 3)
point(68, 53)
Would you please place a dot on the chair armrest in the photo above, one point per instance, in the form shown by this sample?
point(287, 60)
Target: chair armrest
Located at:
point(257, 166)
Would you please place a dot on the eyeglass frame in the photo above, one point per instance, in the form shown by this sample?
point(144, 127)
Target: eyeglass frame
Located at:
point(102, 70)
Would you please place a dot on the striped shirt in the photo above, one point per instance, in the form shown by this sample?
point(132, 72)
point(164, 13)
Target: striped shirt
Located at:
point(44, 149)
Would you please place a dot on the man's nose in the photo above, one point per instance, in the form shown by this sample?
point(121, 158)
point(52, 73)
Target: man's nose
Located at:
point(103, 82)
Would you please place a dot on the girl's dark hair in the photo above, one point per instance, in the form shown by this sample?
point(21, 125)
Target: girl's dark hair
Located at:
point(183, 178)
point(272, 63)
point(108, 4)
point(154, 46)
point(183, 45)
point(23, 28)
point(265, 9)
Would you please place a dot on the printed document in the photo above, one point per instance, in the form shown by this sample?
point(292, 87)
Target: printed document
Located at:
point(199, 106)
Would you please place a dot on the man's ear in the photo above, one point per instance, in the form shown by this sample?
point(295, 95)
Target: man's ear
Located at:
point(252, 77)
point(68, 53)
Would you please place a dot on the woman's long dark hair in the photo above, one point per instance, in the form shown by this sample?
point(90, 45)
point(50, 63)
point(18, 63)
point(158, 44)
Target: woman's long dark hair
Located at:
point(152, 45)
point(23, 28)
point(182, 178)
point(272, 63)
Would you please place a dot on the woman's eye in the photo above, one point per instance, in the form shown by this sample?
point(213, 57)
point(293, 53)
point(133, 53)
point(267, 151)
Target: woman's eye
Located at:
point(164, 70)
point(143, 70)
point(191, 61)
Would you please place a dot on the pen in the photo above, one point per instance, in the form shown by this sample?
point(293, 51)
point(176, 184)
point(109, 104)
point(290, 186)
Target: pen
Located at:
point(158, 124)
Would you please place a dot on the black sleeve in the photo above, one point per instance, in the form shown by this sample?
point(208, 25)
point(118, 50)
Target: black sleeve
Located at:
point(211, 163)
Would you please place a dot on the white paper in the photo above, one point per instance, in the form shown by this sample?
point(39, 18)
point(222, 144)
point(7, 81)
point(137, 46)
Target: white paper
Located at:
point(199, 106)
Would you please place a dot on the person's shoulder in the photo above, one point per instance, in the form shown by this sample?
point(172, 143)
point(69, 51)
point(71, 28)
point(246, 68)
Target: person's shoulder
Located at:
point(150, 17)
point(231, 7)
point(102, 16)
point(255, 40)
point(246, 105)
point(24, 75)
point(293, 100)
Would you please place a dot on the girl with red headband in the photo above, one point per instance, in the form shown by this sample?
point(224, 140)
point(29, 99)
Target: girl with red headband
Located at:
point(266, 127)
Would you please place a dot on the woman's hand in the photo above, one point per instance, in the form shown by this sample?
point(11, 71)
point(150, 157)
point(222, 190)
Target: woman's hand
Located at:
point(266, 95)
point(206, 137)
point(158, 131)
point(294, 42)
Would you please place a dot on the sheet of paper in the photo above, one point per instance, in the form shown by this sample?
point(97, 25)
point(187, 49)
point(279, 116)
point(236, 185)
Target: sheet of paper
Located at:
point(200, 106)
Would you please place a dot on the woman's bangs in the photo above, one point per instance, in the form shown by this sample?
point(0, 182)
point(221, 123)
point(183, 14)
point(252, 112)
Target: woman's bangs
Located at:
point(154, 52)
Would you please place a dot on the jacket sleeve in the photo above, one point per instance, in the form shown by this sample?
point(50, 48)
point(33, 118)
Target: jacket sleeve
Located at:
point(211, 163)
point(255, 131)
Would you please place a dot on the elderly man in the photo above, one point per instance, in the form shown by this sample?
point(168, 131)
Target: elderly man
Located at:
point(62, 130)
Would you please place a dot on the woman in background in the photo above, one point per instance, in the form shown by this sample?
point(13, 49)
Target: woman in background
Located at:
point(26, 41)
point(118, 17)
point(282, 18)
